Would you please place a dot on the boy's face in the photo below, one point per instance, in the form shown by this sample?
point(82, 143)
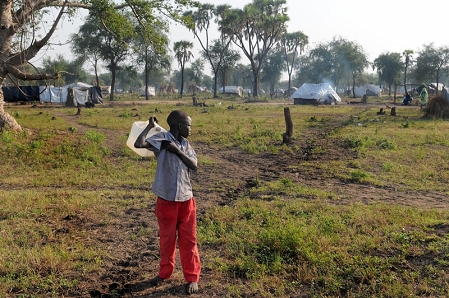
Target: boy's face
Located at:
point(185, 127)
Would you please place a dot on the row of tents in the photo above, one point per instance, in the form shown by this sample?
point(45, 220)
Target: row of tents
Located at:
point(313, 93)
point(75, 94)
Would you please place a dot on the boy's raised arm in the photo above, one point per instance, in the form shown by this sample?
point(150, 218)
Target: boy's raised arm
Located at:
point(141, 139)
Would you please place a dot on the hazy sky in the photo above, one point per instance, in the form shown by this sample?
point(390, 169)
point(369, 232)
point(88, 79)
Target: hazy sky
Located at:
point(378, 26)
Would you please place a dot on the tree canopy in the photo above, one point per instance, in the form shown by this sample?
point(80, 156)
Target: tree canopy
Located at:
point(20, 41)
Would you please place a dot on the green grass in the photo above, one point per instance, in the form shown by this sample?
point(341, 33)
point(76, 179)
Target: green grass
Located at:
point(290, 240)
point(359, 251)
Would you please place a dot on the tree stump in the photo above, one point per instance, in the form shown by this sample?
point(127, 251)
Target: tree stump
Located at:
point(286, 137)
point(393, 111)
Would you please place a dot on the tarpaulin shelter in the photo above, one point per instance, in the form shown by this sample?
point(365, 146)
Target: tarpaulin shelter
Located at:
point(21, 93)
point(151, 91)
point(369, 90)
point(53, 94)
point(315, 94)
point(235, 90)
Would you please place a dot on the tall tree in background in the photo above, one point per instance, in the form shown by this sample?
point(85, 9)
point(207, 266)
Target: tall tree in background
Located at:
point(389, 68)
point(153, 56)
point(432, 63)
point(19, 31)
point(229, 59)
point(272, 69)
point(70, 71)
point(183, 54)
point(408, 55)
point(356, 61)
point(292, 44)
point(113, 50)
point(84, 52)
point(214, 50)
point(241, 75)
point(256, 29)
point(337, 59)
point(195, 71)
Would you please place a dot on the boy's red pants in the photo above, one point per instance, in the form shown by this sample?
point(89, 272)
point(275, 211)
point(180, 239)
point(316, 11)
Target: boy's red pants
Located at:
point(178, 217)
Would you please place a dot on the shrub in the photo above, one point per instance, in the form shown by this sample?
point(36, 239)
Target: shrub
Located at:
point(437, 107)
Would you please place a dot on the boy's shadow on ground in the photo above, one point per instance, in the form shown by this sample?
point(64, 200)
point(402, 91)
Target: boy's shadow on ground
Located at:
point(145, 285)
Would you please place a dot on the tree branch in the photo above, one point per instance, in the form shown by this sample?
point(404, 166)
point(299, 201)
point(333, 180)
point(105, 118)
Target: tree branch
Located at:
point(27, 54)
point(28, 77)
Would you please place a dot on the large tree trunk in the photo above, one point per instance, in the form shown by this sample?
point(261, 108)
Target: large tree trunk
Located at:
point(6, 120)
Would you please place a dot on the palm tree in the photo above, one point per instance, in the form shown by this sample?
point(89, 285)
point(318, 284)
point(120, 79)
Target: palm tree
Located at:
point(183, 55)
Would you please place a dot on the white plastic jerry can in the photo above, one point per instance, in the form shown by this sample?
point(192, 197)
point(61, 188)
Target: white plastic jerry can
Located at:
point(136, 130)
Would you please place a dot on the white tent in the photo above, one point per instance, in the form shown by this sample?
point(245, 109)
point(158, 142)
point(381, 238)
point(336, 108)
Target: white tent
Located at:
point(151, 91)
point(436, 86)
point(236, 90)
point(373, 90)
point(370, 90)
point(80, 93)
point(52, 94)
point(315, 93)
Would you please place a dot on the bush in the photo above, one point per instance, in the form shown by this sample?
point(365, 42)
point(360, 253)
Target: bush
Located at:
point(437, 107)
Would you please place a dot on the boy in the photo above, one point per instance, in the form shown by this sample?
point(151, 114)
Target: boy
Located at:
point(175, 206)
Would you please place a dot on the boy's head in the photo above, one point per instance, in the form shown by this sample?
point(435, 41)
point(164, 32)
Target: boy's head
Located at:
point(179, 121)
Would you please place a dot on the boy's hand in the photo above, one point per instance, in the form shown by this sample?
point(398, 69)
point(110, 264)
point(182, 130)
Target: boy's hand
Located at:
point(153, 120)
point(170, 147)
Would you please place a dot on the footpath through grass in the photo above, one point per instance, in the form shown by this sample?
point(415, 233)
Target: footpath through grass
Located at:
point(262, 248)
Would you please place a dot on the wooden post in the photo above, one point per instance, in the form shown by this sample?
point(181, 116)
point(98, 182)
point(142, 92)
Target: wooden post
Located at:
point(393, 111)
point(286, 137)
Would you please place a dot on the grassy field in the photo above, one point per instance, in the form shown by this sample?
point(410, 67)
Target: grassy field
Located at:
point(68, 176)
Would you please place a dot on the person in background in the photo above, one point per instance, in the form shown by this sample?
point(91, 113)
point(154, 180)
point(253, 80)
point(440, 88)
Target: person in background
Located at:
point(407, 99)
point(424, 97)
point(175, 206)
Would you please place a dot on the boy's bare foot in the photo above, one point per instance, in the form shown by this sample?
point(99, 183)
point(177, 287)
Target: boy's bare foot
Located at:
point(154, 282)
point(192, 287)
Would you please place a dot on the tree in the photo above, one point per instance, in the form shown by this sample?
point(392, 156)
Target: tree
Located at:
point(356, 59)
point(183, 55)
point(229, 59)
point(84, 52)
point(256, 29)
point(201, 21)
point(241, 75)
point(432, 63)
point(195, 71)
point(112, 49)
point(19, 31)
point(155, 59)
point(337, 59)
point(69, 71)
point(272, 70)
point(290, 44)
point(389, 67)
point(408, 54)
